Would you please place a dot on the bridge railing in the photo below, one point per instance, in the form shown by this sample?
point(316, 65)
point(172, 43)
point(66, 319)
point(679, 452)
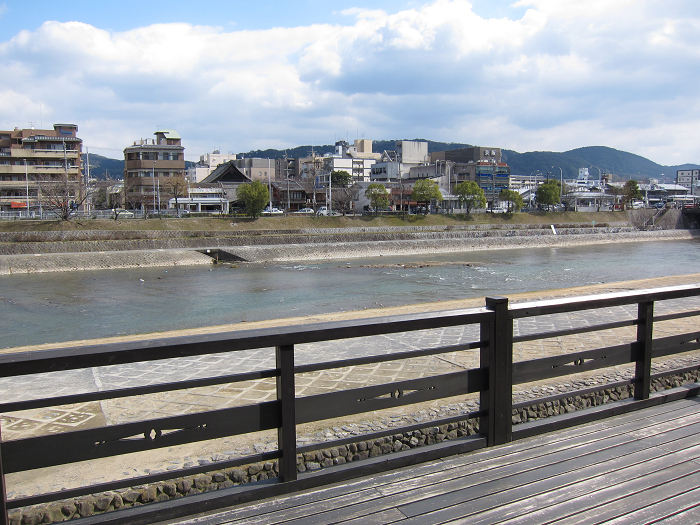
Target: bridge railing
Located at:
point(492, 381)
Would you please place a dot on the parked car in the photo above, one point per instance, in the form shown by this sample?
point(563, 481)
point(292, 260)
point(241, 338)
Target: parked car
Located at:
point(323, 210)
point(121, 213)
point(659, 205)
point(273, 211)
point(637, 205)
point(304, 211)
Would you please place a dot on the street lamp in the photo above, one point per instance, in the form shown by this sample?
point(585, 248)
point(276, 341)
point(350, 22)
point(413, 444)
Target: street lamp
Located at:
point(561, 182)
point(269, 185)
point(26, 178)
point(154, 187)
point(533, 184)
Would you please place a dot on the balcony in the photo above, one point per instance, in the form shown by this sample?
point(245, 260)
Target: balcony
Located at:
point(21, 153)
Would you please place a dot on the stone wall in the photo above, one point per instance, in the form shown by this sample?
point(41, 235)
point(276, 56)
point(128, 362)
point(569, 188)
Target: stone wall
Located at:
point(83, 242)
point(310, 461)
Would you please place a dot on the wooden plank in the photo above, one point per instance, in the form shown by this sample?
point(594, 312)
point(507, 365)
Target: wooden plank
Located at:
point(645, 319)
point(531, 470)
point(585, 492)
point(286, 401)
point(684, 516)
point(71, 358)
point(477, 462)
point(499, 504)
point(574, 363)
point(378, 518)
point(80, 445)
point(663, 509)
point(636, 495)
point(390, 395)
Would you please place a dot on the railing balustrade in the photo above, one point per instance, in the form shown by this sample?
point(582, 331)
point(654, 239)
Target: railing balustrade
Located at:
point(493, 381)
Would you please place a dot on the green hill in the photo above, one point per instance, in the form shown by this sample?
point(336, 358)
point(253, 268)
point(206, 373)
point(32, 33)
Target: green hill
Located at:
point(621, 164)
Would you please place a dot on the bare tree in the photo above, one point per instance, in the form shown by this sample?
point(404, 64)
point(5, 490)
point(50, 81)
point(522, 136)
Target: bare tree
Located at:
point(177, 187)
point(62, 194)
point(344, 197)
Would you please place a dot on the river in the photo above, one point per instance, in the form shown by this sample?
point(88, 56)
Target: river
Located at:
point(66, 306)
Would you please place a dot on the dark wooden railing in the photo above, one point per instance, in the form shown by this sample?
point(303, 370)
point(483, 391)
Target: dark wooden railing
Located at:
point(493, 380)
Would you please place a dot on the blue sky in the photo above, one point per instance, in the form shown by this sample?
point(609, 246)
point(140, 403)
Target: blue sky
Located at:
point(524, 75)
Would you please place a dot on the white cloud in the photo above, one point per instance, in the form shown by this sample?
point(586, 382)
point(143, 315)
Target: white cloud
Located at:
point(568, 73)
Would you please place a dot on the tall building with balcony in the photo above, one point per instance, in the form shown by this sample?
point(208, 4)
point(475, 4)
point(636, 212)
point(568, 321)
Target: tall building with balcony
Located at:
point(34, 158)
point(154, 171)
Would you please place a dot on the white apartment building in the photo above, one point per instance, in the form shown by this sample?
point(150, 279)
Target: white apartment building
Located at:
point(397, 164)
point(689, 179)
point(208, 163)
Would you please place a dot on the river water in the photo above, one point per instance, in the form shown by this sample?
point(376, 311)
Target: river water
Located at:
point(66, 306)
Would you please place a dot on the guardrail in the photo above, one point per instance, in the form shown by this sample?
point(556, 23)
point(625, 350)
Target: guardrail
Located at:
point(492, 380)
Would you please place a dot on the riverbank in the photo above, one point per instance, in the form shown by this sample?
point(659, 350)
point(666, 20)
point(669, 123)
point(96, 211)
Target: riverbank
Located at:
point(320, 246)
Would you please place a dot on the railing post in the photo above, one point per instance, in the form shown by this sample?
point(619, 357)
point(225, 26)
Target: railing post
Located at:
point(497, 425)
point(645, 325)
point(286, 396)
point(4, 519)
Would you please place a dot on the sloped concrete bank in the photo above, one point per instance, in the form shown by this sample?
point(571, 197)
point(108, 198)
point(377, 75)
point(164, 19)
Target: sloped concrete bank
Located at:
point(346, 250)
point(61, 242)
point(66, 262)
point(326, 247)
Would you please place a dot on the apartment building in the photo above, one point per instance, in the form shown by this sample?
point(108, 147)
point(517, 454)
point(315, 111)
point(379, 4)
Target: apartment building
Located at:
point(207, 164)
point(154, 171)
point(34, 161)
point(397, 164)
point(689, 179)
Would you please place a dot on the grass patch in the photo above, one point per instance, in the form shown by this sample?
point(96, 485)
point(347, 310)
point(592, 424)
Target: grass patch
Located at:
point(292, 223)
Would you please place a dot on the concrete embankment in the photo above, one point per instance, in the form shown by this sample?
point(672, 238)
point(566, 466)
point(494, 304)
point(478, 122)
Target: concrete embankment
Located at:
point(305, 252)
point(321, 246)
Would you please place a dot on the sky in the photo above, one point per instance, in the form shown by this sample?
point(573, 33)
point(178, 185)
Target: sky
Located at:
point(525, 75)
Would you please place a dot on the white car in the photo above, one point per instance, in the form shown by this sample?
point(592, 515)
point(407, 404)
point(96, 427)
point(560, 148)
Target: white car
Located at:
point(323, 210)
point(121, 213)
point(273, 211)
point(304, 211)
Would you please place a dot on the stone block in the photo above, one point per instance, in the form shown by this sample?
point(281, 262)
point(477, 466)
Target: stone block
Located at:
point(183, 486)
point(202, 482)
point(32, 516)
point(86, 506)
point(103, 502)
point(54, 513)
point(149, 494)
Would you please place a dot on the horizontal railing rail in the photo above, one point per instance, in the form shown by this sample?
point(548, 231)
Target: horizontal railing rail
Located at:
point(492, 380)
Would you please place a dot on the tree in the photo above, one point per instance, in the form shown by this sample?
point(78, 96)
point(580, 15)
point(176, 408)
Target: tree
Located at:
point(548, 193)
point(513, 198)
point(425, 190)
point(340, 179)
point(254, 196)
point(344, 197)
point(62, 194)
point(377, 195)
point(630, 191)
point(470, 195)
point(177, 188)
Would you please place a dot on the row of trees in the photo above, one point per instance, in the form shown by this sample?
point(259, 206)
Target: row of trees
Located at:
point(254, 196)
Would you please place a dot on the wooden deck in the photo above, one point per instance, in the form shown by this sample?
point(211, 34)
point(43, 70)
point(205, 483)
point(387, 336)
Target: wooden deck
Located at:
point(641, 467)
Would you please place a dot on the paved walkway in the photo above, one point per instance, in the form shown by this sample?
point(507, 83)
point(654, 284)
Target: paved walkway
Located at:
point(66, 418)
